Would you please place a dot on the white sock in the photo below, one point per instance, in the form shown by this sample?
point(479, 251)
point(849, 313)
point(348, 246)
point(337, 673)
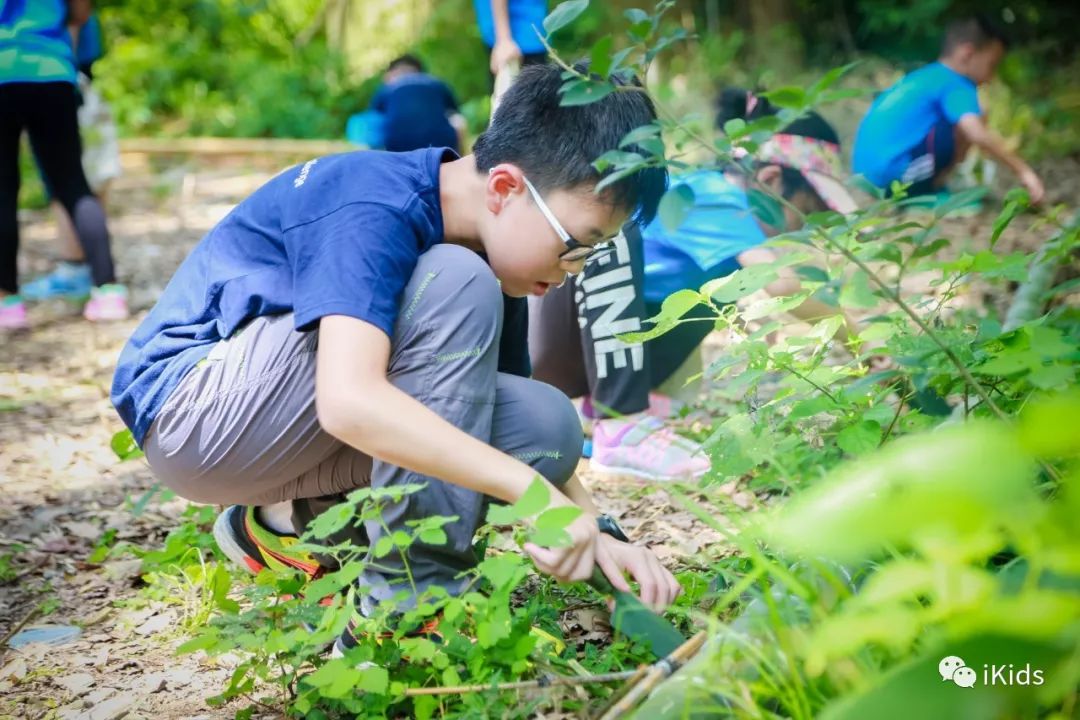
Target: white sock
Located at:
point(277, 517)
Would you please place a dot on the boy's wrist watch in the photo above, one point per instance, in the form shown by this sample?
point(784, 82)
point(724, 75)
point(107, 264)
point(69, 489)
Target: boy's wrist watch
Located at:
point(608, 526)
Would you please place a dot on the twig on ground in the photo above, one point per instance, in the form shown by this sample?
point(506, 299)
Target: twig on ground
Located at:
point(644, 684)
point(546, 681)
point(19, 626)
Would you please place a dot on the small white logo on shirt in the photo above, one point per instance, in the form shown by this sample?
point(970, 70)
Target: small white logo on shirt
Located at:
point(302, 177)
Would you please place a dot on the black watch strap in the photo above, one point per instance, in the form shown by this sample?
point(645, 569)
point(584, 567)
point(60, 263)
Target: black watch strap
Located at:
point(608, 526)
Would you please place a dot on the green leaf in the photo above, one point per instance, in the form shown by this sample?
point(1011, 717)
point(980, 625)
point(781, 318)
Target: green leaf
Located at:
point(1048, 426)
point(787, 97)
point(1016, 202)
point(433, 536)
point(739, 284)
point(504, 571)
point(600, 56)
point(557, 518)
point(930, 248)
point(642, 132)
point(636, 621)
point(675, 205)
point(564, 14)
point(636, 15)
point(829, 79)
point(860, 438)
point(331, 583)
point(335, 679)
point(673, 308)
point(856, 292)
point(551, 537)
point(735, 127)
point(373, 680)
point(332, 520)
point(614, 177)
point(534, 499)
point(772, 306)
point(383, 547)
point(585, 92)
point(124, 445)
point(766, 208)
point(959, 479)
point(618, 158)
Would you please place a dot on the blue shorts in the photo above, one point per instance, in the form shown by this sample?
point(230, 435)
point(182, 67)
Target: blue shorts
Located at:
point(928, 158)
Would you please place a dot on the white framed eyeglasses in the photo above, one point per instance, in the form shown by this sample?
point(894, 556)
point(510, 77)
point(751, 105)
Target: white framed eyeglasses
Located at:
point(575, 251)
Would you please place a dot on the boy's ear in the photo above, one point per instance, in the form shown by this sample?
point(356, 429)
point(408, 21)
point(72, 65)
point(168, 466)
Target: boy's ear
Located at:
point(503, 180)
point(771, 177)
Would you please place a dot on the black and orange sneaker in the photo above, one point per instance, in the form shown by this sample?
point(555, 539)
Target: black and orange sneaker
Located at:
point(253, 546)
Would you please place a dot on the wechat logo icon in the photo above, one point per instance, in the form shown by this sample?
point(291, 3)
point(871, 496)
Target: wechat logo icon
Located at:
point(953, 668)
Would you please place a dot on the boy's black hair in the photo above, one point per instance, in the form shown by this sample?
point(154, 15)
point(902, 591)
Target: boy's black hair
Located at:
point(555, 146)
point(406, 60)
point(979, 30)
point(733, 103)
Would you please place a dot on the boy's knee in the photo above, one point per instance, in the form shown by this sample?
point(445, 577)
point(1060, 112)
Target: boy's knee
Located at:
point(555, 435)
point(453, 275)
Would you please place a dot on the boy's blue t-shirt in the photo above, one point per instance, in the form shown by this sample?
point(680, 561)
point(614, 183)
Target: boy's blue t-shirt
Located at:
point(524, 16)
point(34, 42)
point(717, 229)
point(415, 108)
point(90, 48)
point(338, 235)
point(901, 118)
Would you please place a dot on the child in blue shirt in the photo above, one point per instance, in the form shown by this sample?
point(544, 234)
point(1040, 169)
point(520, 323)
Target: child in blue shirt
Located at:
point(922, 126)
point(38, 95)
point(417, 110)
point(349, 324)
point(573, 331)
point(509, 30)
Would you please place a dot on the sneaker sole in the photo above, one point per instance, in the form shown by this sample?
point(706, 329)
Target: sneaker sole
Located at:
point(642, 474)
point(227, 543)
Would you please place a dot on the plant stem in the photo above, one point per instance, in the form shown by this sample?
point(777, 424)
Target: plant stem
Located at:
point(895, 298)
point(546, 681)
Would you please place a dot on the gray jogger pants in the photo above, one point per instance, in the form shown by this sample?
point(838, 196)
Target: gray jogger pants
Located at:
point(242, 427)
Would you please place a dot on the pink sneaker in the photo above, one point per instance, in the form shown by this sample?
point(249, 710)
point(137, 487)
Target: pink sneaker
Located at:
point(13, 313)
point(646, 448)
point(107, 302)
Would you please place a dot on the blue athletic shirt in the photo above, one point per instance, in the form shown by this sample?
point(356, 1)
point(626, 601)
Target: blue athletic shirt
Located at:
point(901, 118)
point(415, 108)
point(524, 16)
point(34, 42)
point(90, 48)
point(717, 229)
point(338, 235)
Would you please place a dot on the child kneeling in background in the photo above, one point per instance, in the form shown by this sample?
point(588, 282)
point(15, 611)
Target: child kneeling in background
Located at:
point(573, 330)
point(344, 326)
point(923, 126)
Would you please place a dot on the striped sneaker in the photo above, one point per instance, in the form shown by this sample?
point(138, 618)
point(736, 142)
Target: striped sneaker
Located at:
point(253, 546)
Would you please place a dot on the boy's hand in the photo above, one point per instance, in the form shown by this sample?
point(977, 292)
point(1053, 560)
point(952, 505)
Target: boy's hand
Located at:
point(504, 53)
point(574, 563)
point(659, 588)
point(1033, 184)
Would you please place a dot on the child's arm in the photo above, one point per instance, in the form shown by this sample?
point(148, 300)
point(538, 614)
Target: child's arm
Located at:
point(357, 404)
point(975, 130)
point(505, 50)
point(77, 15)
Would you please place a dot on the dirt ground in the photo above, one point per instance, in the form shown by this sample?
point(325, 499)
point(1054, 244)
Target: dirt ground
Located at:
point(62, 487)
